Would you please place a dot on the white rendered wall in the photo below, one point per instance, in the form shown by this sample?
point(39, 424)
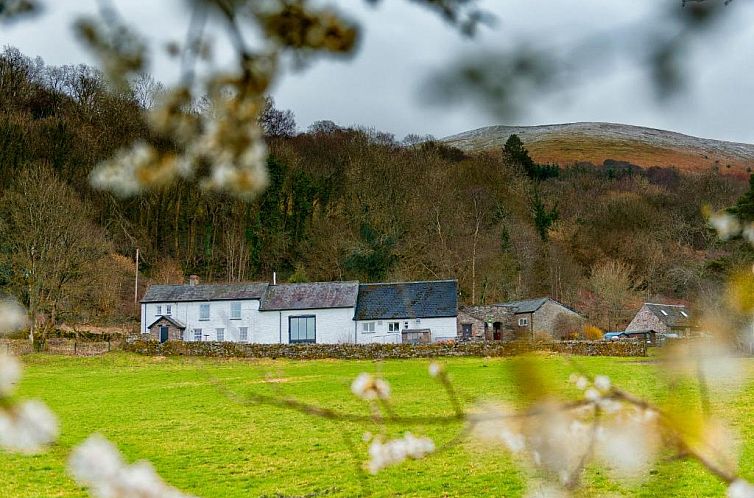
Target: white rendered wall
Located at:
point(219, 317)
point(441, 328)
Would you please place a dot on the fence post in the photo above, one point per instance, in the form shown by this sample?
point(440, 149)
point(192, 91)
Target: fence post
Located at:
point(108, 344)
point(75, 347)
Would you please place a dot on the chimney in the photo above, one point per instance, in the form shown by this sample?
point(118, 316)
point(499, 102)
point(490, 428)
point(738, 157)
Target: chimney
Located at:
point(193, 280)
point(274, 278)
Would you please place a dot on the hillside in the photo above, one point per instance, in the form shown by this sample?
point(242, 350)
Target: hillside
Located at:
point(595, 142)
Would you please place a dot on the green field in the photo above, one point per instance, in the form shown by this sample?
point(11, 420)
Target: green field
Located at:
point(170, 411)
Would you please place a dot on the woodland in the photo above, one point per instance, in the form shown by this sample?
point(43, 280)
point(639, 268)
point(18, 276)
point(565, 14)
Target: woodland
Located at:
point(341, 203)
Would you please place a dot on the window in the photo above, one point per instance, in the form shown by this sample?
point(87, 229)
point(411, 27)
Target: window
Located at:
point(393, 326)
point(418, 321)
point(302, 329)
point(523, 322)
point(243, 334)
point(220, 334)
point(159, 309)
point(235, 311)
point(197, 334)
point(168, 309)
point(367, 326)
point(204, 312)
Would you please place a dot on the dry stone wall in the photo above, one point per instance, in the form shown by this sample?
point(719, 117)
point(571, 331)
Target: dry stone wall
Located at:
point(382, 351)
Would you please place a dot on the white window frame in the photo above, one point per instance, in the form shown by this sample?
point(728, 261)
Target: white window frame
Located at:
point(523, 322)
point(233, 306)
point(168, 309)
point(159, 310)
point(394, 327)
point(202, 317)
point(243, 334)
point(198, 335)
point(367, 327)
point(220, 334)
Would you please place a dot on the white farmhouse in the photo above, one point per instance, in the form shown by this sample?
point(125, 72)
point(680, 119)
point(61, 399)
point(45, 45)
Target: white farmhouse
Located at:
point(319, 312)
point(413, 312)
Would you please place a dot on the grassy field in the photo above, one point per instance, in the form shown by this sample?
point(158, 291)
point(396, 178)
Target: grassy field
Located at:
point(169, 411)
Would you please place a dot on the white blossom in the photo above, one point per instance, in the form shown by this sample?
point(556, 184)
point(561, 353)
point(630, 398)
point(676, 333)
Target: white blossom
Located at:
point(726, 225)
point(557, 440)
point(435, 369)
point(27, 427)
point(98, 464)
point(12, 316)
point(366, 386)
point(740, 489)
point(602, 383)
point(628, 442)
point(10, 374)
point(540, 490)
point(579, 381)
point(495, 424)
point(592, 394)
point(395, 451)
point(121, 173)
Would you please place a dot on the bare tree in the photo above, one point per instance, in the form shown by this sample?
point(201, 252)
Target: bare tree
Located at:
point(50, 244)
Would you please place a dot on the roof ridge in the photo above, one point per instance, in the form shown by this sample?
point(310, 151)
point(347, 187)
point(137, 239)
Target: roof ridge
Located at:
point(410, 282)
point(319, 282)
point(208, 284)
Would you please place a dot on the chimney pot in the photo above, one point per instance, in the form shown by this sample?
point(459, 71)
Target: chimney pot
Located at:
point(194, 280)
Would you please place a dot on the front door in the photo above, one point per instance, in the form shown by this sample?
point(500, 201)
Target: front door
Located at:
point(466, 331)
point(163, 333)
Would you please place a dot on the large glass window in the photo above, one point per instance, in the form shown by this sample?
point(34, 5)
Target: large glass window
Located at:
point(302, 329)
point(204, 312)
point(235, 311)
point(394, 326)
point(243, 334)
point(168, 309)
point(159, 309)
point(368, 326)
point(197, 334)
point(220, 334)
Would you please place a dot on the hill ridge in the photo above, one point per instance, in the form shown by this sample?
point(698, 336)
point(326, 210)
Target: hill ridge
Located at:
point(591, 141)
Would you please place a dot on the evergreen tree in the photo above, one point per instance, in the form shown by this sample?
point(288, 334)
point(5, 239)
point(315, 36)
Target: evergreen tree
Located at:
point(744, 207)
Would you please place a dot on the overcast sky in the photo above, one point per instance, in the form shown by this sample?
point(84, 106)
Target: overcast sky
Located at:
point(404, 45)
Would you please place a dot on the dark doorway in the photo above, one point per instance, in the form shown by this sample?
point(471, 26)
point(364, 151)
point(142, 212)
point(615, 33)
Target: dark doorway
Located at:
point(163, 334)
point(466, 331)
point(497, 333)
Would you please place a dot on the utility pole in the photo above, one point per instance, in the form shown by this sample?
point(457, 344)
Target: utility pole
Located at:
point(136, 279)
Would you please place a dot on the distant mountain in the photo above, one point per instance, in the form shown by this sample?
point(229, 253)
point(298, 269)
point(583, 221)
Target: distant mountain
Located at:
point(570, 143)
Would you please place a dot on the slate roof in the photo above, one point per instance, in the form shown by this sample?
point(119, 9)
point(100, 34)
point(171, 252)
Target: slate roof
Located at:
point(672, 315)
point(433, 299)
point(206, 292)
point(313, 295)
point(488, 313)
point(526, 305)
point(169, 319)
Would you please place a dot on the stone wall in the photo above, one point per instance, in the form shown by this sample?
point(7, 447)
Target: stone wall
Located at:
point(383, 351)
point(60, 346)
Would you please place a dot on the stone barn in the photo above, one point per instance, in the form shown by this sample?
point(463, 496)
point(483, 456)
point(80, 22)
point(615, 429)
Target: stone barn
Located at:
point(479, 323)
